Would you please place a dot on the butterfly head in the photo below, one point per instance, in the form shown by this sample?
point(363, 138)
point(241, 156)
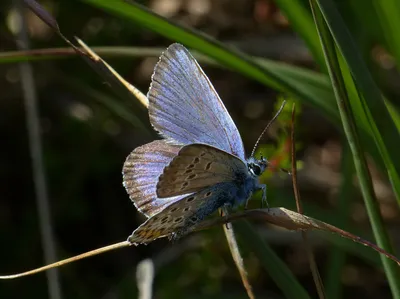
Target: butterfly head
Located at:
point(257, 167)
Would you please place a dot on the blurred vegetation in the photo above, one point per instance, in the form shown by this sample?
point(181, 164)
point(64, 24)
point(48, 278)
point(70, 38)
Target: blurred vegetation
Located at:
point(88, 131)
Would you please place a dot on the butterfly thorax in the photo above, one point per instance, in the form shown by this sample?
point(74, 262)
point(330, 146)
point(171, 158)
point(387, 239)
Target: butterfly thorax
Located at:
point(247, 183)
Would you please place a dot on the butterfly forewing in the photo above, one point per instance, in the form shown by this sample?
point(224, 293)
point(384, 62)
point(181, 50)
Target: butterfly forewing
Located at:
point(182, 216)
point(183, 104)
point(199, 166)
point(140, 172)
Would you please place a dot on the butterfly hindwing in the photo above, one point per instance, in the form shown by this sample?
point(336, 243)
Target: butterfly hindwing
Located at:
point(140, 172)
point(184, 106)
point(180, 217)
point(199, 166)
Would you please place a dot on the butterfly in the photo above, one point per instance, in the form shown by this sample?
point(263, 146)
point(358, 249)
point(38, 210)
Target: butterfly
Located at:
point(199, 166)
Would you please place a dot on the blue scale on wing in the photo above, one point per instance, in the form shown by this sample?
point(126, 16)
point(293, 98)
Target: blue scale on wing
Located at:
point(184, 106)
point(140, 172)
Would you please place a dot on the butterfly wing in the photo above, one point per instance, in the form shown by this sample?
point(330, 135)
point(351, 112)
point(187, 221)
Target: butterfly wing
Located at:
point(180, 217)
point(199, 166)
point(184, 105)
point(140, 172)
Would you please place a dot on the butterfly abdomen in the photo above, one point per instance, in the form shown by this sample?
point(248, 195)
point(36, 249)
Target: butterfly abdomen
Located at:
point(211, 205)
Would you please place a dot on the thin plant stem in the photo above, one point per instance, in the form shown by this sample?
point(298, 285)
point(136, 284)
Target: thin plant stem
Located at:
point(313, 264)
point(36, 154)
point(237, 257)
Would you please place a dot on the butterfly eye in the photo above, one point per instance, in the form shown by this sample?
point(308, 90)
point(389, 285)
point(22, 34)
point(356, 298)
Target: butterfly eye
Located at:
point(255, 169)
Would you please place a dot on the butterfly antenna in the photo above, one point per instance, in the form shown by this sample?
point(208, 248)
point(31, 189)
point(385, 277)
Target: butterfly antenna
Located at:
point(267, 127)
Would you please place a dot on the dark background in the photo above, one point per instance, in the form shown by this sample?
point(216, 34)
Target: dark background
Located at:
point(85, 145)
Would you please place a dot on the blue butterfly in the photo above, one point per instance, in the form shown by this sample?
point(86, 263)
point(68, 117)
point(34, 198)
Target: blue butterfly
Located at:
point(199, 166)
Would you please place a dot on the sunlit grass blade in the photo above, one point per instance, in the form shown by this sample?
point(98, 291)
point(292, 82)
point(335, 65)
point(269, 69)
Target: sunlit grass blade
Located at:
point(227, 56)
point(371, 102)
point(351, 131)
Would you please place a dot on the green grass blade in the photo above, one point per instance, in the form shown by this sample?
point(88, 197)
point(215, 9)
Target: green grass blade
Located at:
point(315, 86)
point(278, 271)
point(337, 256)
point(371, 103)
point(389, 17)
point(227, 56)
point(394, 112)
point(335, 72)
point(265, 73)
point(62, 53)
point(190, 37)
point(301, 21)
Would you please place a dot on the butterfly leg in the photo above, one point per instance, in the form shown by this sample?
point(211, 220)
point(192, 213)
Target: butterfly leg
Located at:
point(247, 202)
point(263, 187)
